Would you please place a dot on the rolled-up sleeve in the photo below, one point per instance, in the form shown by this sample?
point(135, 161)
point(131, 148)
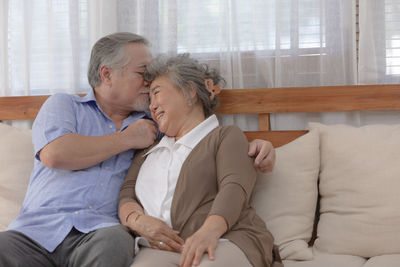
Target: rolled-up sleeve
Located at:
point(236, 176)
point(55, 119)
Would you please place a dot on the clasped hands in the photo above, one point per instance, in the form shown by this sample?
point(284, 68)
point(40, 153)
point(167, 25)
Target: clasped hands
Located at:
point(163, 237)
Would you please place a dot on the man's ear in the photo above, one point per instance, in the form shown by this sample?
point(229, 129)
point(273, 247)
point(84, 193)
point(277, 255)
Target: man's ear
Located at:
point(105, 75)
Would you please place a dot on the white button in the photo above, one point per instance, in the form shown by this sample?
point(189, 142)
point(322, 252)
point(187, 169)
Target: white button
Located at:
point(90, 206)
point(107, 167)
point(101, 184)
point(110, 126)
point(76, 212)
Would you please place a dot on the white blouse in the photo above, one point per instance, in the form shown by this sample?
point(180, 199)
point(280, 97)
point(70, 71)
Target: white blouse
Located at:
point(159, 173)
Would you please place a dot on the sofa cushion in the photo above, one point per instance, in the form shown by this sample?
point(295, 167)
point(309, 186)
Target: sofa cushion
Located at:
point(16, 163)
point(328, 260)
point(359, 188)
point(384, 261)
point(286, 198)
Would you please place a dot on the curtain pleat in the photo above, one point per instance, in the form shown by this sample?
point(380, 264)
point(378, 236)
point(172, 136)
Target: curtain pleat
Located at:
point(45, 44)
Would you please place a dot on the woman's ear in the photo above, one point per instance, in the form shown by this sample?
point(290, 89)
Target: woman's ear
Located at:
point(192, 94)
point(105, 75)
point(213, 89)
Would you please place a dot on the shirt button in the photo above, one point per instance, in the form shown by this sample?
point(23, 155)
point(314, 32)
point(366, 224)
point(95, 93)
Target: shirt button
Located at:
point(76, 212)
point(110, 126)
point(101, 184)
point(107, 167)
point(90, 206)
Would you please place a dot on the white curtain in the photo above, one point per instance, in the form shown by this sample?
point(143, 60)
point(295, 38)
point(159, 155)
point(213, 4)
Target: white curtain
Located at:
point(45, 44)
point(3, 47)
point(379, 51)
point(256, 43)
point(102, 19)
point(379, 42)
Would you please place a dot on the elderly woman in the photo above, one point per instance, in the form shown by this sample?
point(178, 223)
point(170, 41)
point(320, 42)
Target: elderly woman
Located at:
point(189, 194)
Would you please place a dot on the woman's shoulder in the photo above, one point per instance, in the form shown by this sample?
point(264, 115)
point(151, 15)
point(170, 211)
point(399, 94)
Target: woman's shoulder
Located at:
point(227, 134)
point(229, 130)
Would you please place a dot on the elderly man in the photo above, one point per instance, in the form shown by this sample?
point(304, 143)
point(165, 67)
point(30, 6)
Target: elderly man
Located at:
point(83, 148)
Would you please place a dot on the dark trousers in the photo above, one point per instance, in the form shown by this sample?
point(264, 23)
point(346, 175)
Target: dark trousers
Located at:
point(105, 247)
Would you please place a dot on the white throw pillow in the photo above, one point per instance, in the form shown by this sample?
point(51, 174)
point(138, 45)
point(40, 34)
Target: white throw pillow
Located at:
point(286, 198)
point(360, 190)
point(16, 163)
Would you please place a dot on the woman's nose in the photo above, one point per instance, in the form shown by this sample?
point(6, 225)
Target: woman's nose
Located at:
point(152, 105)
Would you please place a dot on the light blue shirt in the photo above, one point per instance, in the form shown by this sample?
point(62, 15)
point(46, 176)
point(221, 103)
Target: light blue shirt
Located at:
point(57, 200)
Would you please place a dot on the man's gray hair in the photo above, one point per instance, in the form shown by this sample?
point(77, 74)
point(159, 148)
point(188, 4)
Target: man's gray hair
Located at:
point(185, 73)
point(109, 51)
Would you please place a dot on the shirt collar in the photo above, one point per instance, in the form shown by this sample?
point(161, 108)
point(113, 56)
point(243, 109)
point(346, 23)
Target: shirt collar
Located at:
point(192, 138)
point(87, 98)
point(135, 115)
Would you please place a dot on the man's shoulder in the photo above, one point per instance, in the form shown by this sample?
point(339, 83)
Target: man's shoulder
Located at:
point(61, 98)
point(60, 102)
point(64, 99)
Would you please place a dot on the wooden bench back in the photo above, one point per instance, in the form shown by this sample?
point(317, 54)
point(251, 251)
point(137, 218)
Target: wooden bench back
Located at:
point(261, 101)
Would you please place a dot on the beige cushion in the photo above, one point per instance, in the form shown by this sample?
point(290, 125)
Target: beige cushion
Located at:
point(384, 261)
point(16, 163)
point(360, 190)
point(329, 260)
point(286, 198)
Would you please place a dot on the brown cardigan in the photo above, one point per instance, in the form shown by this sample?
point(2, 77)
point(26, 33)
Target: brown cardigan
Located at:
point(216, 178)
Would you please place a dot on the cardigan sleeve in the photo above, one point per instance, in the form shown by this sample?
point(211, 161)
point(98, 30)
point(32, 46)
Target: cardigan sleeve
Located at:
point(127, 192)
point(236, 175)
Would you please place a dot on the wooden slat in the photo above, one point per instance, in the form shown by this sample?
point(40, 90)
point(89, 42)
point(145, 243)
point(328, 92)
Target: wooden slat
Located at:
point(20, 107)
point(263, 122)
point(310, 99)
point(260, 101)
point(277, 138)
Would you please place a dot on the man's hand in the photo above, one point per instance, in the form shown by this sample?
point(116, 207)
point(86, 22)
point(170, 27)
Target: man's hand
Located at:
point(264, 154)
point(140, 134)
point(75, 152)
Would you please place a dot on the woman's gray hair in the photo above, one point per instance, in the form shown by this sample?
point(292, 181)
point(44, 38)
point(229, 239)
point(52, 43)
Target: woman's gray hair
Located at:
point(109, 51)
point(185, 73)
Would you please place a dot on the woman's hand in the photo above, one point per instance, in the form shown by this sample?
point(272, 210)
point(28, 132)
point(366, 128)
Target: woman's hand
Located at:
point(196, 245)
point(157, 232)
point(203, 240)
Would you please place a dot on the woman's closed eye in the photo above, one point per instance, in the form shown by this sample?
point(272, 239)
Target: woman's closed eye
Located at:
point(154, 90)
point(139, 72)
